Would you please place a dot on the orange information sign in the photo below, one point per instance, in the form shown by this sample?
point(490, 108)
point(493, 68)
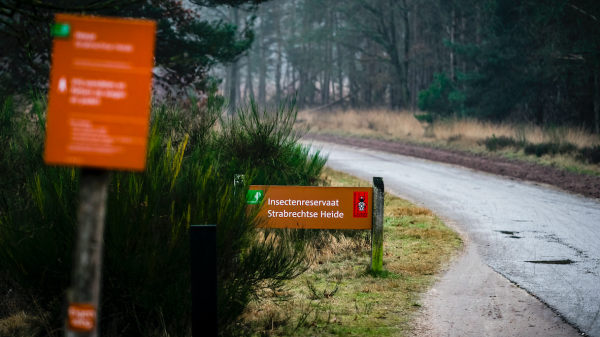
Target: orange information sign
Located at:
point(82, 317)
point(313, 207)
point(100, 83)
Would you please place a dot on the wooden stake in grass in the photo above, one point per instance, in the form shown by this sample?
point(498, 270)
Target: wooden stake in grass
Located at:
point(84, 294)
point(377, 230)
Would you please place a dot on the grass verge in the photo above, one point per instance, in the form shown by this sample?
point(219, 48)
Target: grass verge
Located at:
point(339, 295)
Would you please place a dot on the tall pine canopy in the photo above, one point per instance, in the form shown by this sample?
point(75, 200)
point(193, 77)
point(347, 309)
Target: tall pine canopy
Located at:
point(187, 45)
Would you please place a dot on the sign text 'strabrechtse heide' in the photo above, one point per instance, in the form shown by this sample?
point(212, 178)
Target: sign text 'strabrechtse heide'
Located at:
point(313, 207)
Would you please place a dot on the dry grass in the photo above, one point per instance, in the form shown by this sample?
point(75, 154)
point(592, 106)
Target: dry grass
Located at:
point(339, 296)
point(20, 325)
point(461, 134)
point(405, 125)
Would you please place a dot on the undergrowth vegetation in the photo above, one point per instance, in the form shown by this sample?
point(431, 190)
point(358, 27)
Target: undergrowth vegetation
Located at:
point(588, 154)
point(193, 156)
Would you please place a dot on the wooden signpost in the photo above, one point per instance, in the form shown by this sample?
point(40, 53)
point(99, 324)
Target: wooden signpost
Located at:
point(98, 116)
point(313, 207)
point(324, 208)
point(285, 207)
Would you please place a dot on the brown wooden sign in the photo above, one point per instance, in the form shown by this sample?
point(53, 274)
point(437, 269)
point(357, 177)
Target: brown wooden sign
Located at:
point(313, 207)
point(100, 83)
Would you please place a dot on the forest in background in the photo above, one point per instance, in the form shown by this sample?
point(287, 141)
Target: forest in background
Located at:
point(532, 61)
point(525, 61)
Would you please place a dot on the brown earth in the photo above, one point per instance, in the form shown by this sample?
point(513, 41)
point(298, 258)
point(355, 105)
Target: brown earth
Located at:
point(586, 185)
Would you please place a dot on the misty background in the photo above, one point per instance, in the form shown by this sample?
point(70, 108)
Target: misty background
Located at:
point(526, 61)
point(532, 61)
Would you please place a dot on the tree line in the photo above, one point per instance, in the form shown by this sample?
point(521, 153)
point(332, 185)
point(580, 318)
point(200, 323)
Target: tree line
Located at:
point(187, 45)
point(531, 61)
point(525, 60)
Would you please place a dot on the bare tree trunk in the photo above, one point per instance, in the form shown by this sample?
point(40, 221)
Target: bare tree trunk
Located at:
point(293, 36)
point(353, 81)
point(452, 33)
point(329, 53)
point(332, 91)
point(311, 87)
point(262, 71)
point(277, 19)
point(321, 85)
point(478, 26)
point(339, 55)
point(463, 29)
point(249, 85)
point(405, 63)
point(415, 68)
point(597, 100)
point(286, 80)
point(304, 71)
point(396, 88)
point(233, 80)
point(368, 86)
point(233, 83)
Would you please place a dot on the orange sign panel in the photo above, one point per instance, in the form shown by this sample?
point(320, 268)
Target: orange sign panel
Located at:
point(313, 207)
point(82, 317)
point(100, 81)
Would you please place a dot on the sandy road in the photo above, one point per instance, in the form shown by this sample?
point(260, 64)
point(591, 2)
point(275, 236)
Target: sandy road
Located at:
point(545, 241)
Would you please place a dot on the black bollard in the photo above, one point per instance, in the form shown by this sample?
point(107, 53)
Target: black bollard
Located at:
point(203, 249)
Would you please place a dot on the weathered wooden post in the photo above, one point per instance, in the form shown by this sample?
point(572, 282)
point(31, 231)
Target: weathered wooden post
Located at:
point(203, 251)
point(84, 294)
point(377, 230)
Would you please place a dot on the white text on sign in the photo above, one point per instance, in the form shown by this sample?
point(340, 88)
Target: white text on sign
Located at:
point(303, 213)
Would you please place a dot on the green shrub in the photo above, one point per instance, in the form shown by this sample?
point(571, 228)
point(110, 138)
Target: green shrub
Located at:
point(188, 180)
point(549, 148)
point(435, 99)
point(424, 118)
point(590, 154)
point(493, 143)
point(268, 144)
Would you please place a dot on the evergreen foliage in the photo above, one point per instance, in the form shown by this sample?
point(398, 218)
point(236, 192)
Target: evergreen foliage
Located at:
point(186, 45)
point(436, 98)
point(535, 60)
point(188, 180)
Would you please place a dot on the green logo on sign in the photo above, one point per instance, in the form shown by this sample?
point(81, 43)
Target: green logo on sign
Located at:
point(254, 197)
point(61, 30)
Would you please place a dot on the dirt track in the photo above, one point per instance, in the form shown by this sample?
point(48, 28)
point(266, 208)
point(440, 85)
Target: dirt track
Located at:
point(586, 185)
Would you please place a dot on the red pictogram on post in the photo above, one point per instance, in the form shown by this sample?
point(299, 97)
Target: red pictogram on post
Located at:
point(82, 317)
point(361, 204)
